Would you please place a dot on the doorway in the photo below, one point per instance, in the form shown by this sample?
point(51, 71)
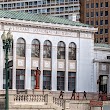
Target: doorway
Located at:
point(103, 83)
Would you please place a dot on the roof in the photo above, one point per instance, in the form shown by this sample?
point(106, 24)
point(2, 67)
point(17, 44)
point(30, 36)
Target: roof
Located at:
point(39, 18)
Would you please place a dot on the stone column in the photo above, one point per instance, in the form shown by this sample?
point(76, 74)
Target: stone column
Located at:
point(1, 65)
point(66, 70)
point(67, 105)
point(14, 66)
point(28, 67)
point(54, 68)
point(41, 66)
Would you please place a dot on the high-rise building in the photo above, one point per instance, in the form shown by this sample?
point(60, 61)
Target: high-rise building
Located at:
point(96, 13)
point(62, 8)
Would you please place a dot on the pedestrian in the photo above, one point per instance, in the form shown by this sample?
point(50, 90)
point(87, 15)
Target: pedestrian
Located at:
point(100, 95)
point(61, 94)
point(73, 94)
point(84, 95)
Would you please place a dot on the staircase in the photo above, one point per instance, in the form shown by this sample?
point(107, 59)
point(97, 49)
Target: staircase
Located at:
point(35, 102)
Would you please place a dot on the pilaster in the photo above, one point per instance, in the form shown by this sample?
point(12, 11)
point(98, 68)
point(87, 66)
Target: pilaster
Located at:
point(54, 68)
point(14, 66)
point(66, 70)
point(41, 66)
point(28, 67)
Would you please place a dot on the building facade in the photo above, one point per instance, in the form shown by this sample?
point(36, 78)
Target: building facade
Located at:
point(96, 13)
point(62, 49)
point(63, 8)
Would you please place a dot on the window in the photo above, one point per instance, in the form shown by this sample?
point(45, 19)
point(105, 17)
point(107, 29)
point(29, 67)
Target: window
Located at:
point(71, 81)
point(101, 13)
point(87, 22)
point(106, 31)
point(47, 49)
point(87, 5)
point(96, 23)
point(47, 79)
point(96, 14)
point(101, 31)
point(20, 47)
point(92, 22)
point(96, 5)
point(20, 79)
point(106, 13)
point(106, 21)
point(101, 22)
point(61, 50)
point(87, 14)
point(92, 14)
point(72, 51)
point(106, 4)
point(92, 5)
point(60, 80)
point(106, 39)
point(33, 81)
point(35, 48)
point(101, 4)
point(101, 40)
point(10, 74)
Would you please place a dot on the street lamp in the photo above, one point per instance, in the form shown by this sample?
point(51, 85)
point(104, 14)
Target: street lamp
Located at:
point(7, 42)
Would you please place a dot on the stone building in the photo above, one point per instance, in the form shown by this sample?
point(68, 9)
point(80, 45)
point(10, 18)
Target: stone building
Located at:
point(62, 49)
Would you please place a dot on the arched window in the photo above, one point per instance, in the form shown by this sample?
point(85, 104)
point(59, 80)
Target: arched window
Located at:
point(61, 50)
point(35, 49)
point(72, 51)
point(47, 49)
point(21, 47)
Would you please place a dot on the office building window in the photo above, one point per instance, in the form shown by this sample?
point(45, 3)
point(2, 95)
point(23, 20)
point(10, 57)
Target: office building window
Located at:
point(106, 31)
point(47, 49)
point(71, 81)
point(101, 13)
point(101, 22)
point(20, 47)
point(20, 78)
point(87, 5)
point(87, 22)
point(106, 39)
point(96, 5)
point(92, 22)
point(96, 14)
point(92, 14)
point(61, 50)
point(72, 51)
point(35, 48)
point(87, 14)
point(101, 4)
point(106, 4)
point(101, 40)
point(47, 79)
point(96, 23)
point(33, 80)
point(60, 80)
point(106, 21)
point(101, 31)
point(92, 5)
point(106, 13)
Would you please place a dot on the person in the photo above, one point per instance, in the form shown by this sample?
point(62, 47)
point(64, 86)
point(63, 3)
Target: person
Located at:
point(84, 95)
point(73, 94)
point(61, 94)
point(100, 95)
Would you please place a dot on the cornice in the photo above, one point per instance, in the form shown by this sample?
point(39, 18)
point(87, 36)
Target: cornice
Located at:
point(48, 25)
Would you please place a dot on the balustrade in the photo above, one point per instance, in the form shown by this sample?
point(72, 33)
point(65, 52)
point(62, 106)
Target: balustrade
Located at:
point(29, 98)
point(59, 102)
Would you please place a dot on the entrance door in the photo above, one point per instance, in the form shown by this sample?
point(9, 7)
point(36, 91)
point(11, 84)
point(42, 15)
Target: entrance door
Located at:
point(103, 83)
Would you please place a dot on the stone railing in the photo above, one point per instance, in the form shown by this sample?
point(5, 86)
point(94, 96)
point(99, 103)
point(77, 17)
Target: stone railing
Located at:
point(59, 102)
point(28, 98)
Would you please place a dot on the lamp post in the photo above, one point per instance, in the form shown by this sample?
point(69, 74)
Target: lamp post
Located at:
point(7, 41)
